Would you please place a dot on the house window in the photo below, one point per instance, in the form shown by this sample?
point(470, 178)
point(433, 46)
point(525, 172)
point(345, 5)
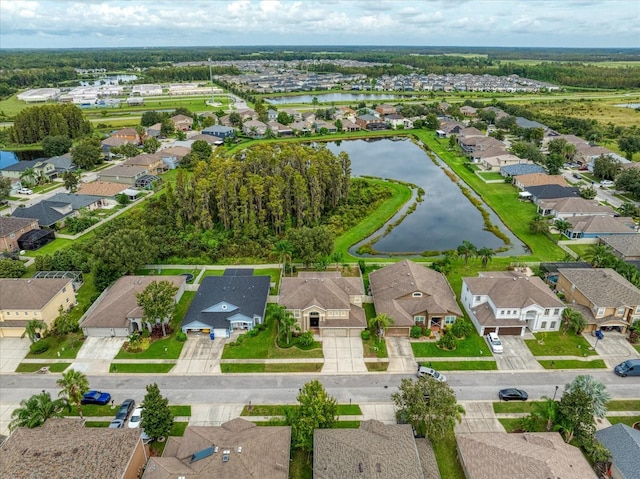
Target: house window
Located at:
point(556, 311)
point(553, 324)
point(637, 309)
point(296, 313)
point(543, 325)
point(620, 311)
point(477, 298)
point(67, 300)
point(449, 319)
point(600, 312)
point(8, 313)
point(501, 312)
point(64, 289)
point(419, 319)
point(343, 314)
point(546, 312)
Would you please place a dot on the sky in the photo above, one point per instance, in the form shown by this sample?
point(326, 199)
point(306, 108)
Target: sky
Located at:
point(161, 23)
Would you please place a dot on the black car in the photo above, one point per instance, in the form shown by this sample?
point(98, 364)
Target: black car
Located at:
point(125, 409)
point(513, 394)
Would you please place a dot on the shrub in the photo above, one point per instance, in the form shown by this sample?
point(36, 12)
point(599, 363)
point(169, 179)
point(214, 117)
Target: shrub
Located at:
point(252, 333)
point(262, 326)
point(416, 331)
point(427, 332)
point(146, 333)
point(240, 339)
point(182, 337)
point(447, 341)
point(366, 334)
point(39, 347)
point(461, 328)
point(306, 339)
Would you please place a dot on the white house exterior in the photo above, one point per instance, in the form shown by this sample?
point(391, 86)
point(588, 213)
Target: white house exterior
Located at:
point(510, 303)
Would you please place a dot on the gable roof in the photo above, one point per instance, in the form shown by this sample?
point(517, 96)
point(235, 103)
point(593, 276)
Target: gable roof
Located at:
point(11, 224)
point(524, 123)
point(126, 171)
point(143, 159)
point(101, 188)
point(576, 205)
point(375, 450)
point(553, 191)
point(30, 294)
point(512, 290)
point(245, 295)
point(540, 455)
point(624, 444)
point(538, 179)
point(391, 285)
point(75, 200)
point(45, 212)
point(604, 287)
point(328, 290)
point(521, 169)
point(119, 302)
point(65, 448)
point(264, 453)
point(602, 224)
point(626, 245)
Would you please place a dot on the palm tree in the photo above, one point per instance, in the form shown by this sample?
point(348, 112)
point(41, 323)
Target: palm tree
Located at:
point(284, 250)
point(599, 255)
point(539, 224)
point(485, 255)
point(28, 174)
point(562, 225)
point(467, 249)
point(74, 384)
point(628, 209)
point(596, 391)
point(33, 412)
point(577, 322)
point(34, 329)
point(378, 324)
point(569, 318)
point(337, 258)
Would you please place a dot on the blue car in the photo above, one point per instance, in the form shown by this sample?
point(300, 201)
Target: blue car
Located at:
point(96, 397)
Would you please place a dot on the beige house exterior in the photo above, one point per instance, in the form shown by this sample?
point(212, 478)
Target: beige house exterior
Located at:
point(22, 300)
point(602, 296)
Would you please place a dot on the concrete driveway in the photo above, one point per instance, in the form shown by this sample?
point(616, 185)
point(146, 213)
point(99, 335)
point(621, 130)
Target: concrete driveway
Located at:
point(200, 355)
point(96, 354)
point(516, 356)
point(614, 348)
point(401, 359)
point(12, 352)
point(343, 355)
point(479, 417)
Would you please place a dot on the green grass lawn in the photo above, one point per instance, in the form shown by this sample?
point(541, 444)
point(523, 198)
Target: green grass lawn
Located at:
point(624, 405)
point(558, 344)
point(374, 349)
point(33, 367)
point(628, 420)
point(447, 458)
point(178, 428)
point(144, 368)
point(513, 406)
point(300, 467)
point(579, 249)
point(490, 175)
point(180, 410)
point(50, 248)
point(93, 410)
point(510, 424)
point(272, 368)
point(279, 410)
point(275, 274)
point(572, 364)
point(462, 365)
point(96, 423)
point(68, 347)
point(473, 346)
point(376, 367)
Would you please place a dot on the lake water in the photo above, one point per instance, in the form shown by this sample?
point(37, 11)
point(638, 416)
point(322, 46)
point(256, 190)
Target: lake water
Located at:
point(331, 97)
point(443, 220)
point(635, 106)
point(110, 80)
point(8, 158)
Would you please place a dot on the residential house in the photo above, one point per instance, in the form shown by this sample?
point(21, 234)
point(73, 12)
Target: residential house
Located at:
point(124, 174)
point(345, 113)
point(182, 122)
point(11, 228)
point(300, 127)
point(173, 155)
point(529, 124)
point(471, 131)
point(154, 130)
point(443, 106)
point(41, 167)
point(235, 449)
point(569, 207)
point(116, 312)
point(128, 134)
point(279, 129)
point(385, 109)
point(371, 123)
point(469, 111)
point(626, 247)
point(599, 226)
point(550, 270)
point(539, 455)
point(110, 143)
point(495, 158)
point(325, 302)
point(254, 128)
point(57, 208)
point(551, 192)
point(272, 115)
point(247, 114)
point(523, 182)
point(22, 300)
point(373, 450)
point(318, 125)
point(413, 295)
point(235, 301)
point(623, 442)
point(106, 192)
point(64, 447)
point(348, 125)
point(396, 121)
point(153, 163)
point(308, 117)
point(62, 164)
point(521, 169)
point(212, 140)
point(297, 116)
point(449, 128)
point(509, 303)
point(220, 131)
point(586, 154)
point(604, 298)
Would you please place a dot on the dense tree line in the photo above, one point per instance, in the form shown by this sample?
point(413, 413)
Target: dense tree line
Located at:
point(12, 80)
point(186, 74)
point(34, 124)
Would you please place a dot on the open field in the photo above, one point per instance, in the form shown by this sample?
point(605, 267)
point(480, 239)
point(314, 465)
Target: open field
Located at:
point(604, 111)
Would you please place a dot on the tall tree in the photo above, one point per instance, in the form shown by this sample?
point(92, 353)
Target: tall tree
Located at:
point(33, 412)
point(379, 324)
point(150, 145)
point(5, 188)
point(284, 250)
point(574, 416)
point(12, 268)
point(562, 225)
point(595, 389)
point(629, 144)
point(485, 255)
point(570, 320)
point(86, 153)
point(599, 255)
point(73, 385)
point(158, 302)
point(539, 224)
point(430, 406)
point(35, 329)
point(157, 418)
point(71, 180)
point(466, 250)
point(606, 167)
point(55, 145)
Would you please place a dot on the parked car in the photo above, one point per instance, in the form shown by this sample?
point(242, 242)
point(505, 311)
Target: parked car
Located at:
point(630, 367)
point(96, 397)
point(136, 417)
point(116, 424)
point(425, 371)
point(513, 394)
point(25, 191)
point(494, 343)
point(606, 183)
point(125, 408)
point(577, 176)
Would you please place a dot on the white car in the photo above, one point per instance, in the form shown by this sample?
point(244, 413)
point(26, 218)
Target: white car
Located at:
point(494, 343)
point(425, 371)
point(136, 417)
point(25, 191)
point(606, 183)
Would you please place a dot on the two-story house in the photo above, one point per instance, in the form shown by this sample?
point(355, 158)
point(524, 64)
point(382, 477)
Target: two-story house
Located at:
point(12, 228)
point(152, 162)
point(510, 303)
point(325, 302)
point(603, 297)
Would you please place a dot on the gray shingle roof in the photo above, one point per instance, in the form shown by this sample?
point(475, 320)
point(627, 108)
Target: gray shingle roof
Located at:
point(9, 224)
point(602, 224)
point(603, 287)
point(624, 444)
point(626, 245)
point(44, 212)
point(521, 169)
point(553, 191)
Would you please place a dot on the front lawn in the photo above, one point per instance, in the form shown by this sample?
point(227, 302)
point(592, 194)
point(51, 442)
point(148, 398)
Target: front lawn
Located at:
point(558, 344)
point(510, 424)
point(93, 410)
point(96, 423)
point(376, 367)
point(271, 368)
point(628, 420)
point(280, 410)
point(472, 346)
point(33, 367)
point(513, 406)
point(67, 347)
point(178, 428)
point(180, 410)
point(462, 365)
point(572, 364)
point(624, 405)
point(374, 349)
point(144, 368)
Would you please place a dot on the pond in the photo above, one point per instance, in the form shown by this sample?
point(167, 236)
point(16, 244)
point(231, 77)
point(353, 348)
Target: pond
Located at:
point(8, 158)
point(442, 221)
point(331, 97)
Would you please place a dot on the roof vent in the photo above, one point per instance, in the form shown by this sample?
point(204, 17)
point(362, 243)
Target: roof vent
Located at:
point(361, 467)
point(225, 455)
point(239, 449)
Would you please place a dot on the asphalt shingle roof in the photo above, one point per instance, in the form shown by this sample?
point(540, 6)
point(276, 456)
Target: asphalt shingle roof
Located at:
point(624, 444)
point(604, 287)
point(521, 169)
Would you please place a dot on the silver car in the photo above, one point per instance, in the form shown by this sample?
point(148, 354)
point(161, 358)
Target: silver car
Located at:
point(425, 371)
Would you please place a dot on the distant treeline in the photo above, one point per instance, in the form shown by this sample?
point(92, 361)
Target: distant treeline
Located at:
point(33, 124)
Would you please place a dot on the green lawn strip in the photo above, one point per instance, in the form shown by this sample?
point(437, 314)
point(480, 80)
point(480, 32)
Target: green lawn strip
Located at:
point(376, 367)
point(579, 249)
point(637, 346)
point(373, 222)
point(447, 458)
point(157, 448)
point(624, 405)
point(93, 410)
point(272, 368)
point(510, 424)
point(213, 272)
point(558, 344)
point(369, 310)
point(180, 410)
point(33, 367)
point(347, 425)
point(572, 364)
point(96, 423)
point(473, 346)
point(300, 467)
point(178, 428)
point(374, 349)
point(68, 347)
point(628, 420)
point(279, 410)
point(50, 248)
point(143, 368)
point(167, 272)
point(490, 175)
point(275, 274)
point(462, 365)
point(513, 407)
